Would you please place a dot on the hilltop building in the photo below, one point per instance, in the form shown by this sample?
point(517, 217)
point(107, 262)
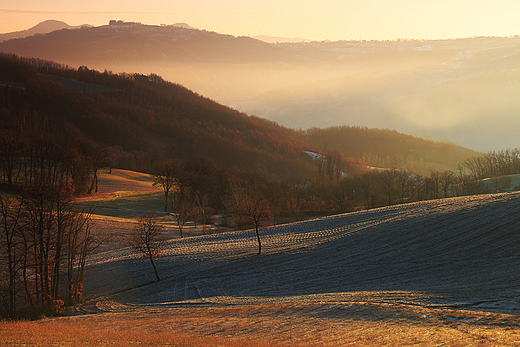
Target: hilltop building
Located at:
point(114, 24)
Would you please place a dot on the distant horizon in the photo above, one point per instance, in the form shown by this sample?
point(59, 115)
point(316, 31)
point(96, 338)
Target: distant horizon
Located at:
point(330, 20)
point(302, 39)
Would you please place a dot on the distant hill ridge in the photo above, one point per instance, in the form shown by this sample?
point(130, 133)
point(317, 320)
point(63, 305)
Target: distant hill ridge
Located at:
point(51, 25)
point(40, 28)
point(124, 42)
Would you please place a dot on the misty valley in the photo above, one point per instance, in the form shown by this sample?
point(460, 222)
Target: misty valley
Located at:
point(223, 190)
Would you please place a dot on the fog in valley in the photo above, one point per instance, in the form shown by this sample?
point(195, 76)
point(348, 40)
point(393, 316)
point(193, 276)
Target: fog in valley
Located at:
point(456, 90)
point(462, 91)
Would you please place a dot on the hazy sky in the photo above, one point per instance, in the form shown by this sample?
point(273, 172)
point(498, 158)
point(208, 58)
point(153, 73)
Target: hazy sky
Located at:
point(319, 20)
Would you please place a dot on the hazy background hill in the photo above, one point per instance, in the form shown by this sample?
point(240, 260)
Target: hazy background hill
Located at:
point(40, 28)
point(125, 43)
point(461, 90)
point(144, 119)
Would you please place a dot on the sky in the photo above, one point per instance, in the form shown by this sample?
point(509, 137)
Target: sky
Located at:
point(307, 19)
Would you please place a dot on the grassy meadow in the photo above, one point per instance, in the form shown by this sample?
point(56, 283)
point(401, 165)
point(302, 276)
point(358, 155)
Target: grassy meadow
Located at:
point(361, 324)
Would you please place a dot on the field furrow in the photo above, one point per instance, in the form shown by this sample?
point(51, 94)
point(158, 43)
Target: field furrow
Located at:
point(458, 252)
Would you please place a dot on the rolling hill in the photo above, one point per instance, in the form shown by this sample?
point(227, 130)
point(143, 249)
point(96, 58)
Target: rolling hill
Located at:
point(389, 148)
point(449, 253)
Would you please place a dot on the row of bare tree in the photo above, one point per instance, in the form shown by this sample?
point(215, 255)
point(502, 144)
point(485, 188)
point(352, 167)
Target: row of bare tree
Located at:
point(31, 158)
point(44, 240)
point(197, 188)
point(44, 245)
point(493, 164)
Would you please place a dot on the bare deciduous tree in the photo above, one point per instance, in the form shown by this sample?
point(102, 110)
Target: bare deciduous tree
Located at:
point(182, 207)
point(146, 238)
point(501, 184)
point(250, 209)
point(165, 177)
point(11, 225)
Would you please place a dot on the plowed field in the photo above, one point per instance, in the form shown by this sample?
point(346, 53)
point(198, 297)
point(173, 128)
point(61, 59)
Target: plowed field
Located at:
point(457, 253)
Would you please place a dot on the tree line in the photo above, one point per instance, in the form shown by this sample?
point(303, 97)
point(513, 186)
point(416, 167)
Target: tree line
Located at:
point(387, 148)
point(44, 240)
point(197, 189)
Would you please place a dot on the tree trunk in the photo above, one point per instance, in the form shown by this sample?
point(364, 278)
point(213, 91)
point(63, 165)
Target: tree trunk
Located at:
point(259, 243)
point(155, 268)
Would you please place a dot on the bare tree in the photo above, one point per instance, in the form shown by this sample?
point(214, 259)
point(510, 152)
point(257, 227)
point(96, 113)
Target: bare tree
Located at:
point(146, 238)
point(166, 178)
point(11, 145)
point(250, 209)
point(388, 184)
point(98, 157)
point(341, 195)
point(501, 184)
point(80, 242)
point(447, 180)
point(182, 208)
point(11, 216)
point(403, 184)
point(435, 184)
point(366, 186)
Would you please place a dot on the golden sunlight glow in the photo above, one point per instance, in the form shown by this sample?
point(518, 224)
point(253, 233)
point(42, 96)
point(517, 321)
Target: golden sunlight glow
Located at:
point(331, 19)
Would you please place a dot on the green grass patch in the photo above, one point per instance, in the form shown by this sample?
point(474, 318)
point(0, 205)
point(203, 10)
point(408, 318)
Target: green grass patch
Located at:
point(126, 205)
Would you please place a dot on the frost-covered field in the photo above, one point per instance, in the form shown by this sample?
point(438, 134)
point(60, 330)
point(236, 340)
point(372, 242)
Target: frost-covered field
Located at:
point(451, 253)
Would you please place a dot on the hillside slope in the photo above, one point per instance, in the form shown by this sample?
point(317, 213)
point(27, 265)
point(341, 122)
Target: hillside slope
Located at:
point(145, 120)
point(138, 114)
point(458, 252)
point(389, 148)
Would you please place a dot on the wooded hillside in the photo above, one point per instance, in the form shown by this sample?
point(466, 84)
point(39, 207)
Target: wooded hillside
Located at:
point(144, 119)
point(389, 148)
